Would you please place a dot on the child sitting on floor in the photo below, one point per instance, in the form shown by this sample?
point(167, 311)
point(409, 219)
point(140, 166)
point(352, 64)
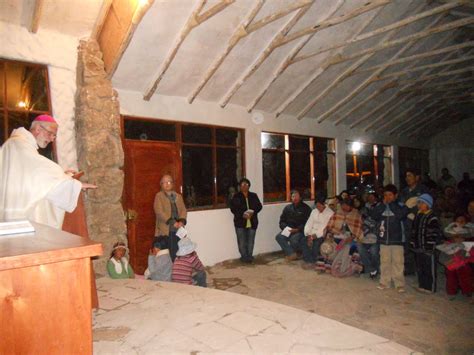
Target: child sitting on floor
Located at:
point(187, 268)
point(159, 261)
point(118, 266)
point(458, 271)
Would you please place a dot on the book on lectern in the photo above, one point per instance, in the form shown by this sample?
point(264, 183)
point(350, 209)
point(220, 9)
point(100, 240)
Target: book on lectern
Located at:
point(16, 227)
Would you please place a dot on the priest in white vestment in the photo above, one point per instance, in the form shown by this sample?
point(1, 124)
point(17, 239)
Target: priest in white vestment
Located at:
point(32, 186)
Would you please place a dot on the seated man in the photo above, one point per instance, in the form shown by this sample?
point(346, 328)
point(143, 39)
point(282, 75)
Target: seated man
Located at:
point(292, 222)
point(314, 231)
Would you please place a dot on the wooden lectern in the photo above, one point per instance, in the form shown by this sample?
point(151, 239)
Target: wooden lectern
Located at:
point(75, 223)
point(45, 299)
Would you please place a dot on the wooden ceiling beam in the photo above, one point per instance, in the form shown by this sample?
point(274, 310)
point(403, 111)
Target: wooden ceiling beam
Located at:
point(372, 76)
point(99, 23)
point(422, 67)
point(372, 96)
point(243, 30)
point(193, 21)
point(381, 46)
point(285, 63)
point(393, 26)
point(114, 29)
point(326, 64)
point(401, 95)
point(408, 126)
point(36, 16)
point(412, 118)
point(368, 6)
point(442, 90)
point(439, 85)
point(421, 56)
point(423, 126)
point(390, 85)
point(440, 75)
point(268, 50)
point(402, 114)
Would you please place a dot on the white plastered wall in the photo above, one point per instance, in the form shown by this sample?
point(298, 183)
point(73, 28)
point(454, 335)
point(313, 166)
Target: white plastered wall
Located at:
point(213, 230)
point(453, 149)
point(59, 53)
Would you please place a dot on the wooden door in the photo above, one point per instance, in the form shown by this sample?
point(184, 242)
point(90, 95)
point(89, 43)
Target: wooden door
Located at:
point(145, 164)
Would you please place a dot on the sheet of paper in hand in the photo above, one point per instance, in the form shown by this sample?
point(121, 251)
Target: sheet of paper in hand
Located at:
point(286, 232)
point(181, 232)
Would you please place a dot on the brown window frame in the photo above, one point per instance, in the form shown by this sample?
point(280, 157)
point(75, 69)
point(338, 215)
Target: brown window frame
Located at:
point(7, 110)
point(287, 152)
point(373, 155)
point(179, 142)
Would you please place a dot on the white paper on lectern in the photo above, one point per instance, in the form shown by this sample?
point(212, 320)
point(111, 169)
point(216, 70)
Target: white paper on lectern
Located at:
point(286, 232)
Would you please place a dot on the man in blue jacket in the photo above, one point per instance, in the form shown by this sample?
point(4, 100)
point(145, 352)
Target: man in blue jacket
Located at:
point(292, 222)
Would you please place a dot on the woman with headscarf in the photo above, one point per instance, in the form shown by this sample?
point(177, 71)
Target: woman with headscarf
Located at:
point(170, 213)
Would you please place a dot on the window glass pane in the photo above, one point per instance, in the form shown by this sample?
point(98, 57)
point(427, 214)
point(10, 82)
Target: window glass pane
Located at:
point(387, 171)
point(2, 128)
point(228, 137)
point(300, 173)
point(274, 176)
point(2, 84)
point(229, 172)
point(359, 148)
point(275, 141)
point(299, 143)
point(360, 173)
point(149, 130)
point(26, 87)
point(198, 175)
point(321, 172)
point(197, 134)
point(331, 186)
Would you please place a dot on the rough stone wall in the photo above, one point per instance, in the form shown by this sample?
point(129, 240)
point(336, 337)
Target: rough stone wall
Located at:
point(99, 149)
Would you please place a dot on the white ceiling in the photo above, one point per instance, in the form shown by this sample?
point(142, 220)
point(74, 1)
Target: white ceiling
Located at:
point(71, 17)
point(161, 26)
point(306, 89)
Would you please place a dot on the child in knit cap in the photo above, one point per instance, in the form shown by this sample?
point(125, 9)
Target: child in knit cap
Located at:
point(118, 266)
point(425, 235)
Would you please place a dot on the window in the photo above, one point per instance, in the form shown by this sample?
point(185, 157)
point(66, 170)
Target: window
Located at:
point(24, 94)
point(303, 163)
point(212, 158)
point(368, 166)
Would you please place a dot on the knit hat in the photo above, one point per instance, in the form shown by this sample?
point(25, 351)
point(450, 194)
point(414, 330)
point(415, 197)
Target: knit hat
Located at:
point(186, 246)
point(427, 199)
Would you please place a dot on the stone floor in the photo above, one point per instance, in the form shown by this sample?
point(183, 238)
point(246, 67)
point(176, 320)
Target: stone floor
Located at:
point(426, 323)
point(146, 317)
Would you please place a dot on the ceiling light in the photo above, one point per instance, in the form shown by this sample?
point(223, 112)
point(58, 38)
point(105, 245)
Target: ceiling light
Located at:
point(356, 146)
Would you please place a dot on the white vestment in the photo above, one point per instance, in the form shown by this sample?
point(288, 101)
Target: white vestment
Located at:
point(32, 186)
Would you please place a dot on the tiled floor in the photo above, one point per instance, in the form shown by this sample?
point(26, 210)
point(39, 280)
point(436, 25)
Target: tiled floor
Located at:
point(146, 317)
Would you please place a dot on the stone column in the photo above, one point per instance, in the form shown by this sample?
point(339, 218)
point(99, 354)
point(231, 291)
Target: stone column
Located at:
point(99, 149)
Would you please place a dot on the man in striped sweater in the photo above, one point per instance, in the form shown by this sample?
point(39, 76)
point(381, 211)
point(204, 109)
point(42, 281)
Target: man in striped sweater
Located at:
point(187, 268)
point(425, 234)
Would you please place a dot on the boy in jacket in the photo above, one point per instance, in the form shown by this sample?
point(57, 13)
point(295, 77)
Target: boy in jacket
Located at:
point(389, 216)
point(425, 234)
